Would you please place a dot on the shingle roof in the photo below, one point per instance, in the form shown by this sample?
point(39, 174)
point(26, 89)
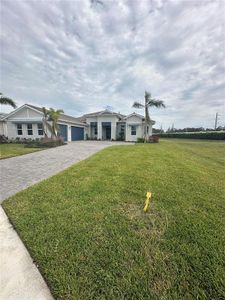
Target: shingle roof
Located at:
point(103, 112)
point(62, 117)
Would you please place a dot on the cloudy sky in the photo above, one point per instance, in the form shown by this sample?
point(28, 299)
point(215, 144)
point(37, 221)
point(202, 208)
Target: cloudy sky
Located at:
point(85, 55)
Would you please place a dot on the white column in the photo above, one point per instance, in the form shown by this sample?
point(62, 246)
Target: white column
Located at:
point(69, 133)
point(150, 130)
point(99, 130)
point(113, 130)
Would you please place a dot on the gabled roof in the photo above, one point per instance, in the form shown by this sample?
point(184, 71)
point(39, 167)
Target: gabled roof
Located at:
point(139, 116)
point(2, 116)
point(136, 115)
point(103, 112)
point(62, 117)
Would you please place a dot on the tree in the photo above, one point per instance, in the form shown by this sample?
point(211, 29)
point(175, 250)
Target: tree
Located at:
point(7, 101)
point(149, 102)
point(54, 117)
point(45, 120)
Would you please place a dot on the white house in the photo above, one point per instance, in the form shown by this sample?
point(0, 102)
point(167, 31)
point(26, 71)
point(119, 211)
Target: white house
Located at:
point(107, 125)
point(26, 122)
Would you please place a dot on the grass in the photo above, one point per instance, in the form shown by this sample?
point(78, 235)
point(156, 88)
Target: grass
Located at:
point(88, 234)
point(10, 150)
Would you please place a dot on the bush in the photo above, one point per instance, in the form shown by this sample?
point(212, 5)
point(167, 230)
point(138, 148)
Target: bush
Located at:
point(208, 135)
point(45, 142)
point(154, 139)
point(3, 139)
point(140, 140)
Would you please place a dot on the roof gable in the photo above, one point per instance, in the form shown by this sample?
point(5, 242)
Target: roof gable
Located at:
point(19, 109)
point(103, 113)
point(134, 114)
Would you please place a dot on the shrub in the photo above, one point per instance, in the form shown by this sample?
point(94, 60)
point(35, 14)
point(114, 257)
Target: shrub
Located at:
point(208, 135)
point(3, 139)
point(45, 142)
point(140, 140)
point(154, 139)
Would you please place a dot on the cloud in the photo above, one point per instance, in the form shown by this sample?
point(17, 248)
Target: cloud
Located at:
point(84, 55)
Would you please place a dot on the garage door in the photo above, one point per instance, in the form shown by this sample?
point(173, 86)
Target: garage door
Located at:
point(77, 133)
point(63, 132)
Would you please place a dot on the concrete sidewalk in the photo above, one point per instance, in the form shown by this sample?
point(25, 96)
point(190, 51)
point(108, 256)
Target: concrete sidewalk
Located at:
point(19, 277)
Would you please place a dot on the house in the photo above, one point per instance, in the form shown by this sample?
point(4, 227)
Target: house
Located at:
point(107, 125)
point(26, 122)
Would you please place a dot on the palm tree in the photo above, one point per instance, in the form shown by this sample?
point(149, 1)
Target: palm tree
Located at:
point(45, 120)
point(54, 117)
point(7, 101)
point(149, 102)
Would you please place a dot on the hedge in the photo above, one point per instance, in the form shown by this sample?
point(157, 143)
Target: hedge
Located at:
point(208, 135)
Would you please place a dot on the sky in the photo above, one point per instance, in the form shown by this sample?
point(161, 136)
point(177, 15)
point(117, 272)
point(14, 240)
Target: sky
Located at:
point(87, 55)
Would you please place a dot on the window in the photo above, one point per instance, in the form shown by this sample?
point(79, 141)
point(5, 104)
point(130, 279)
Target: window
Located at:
point(40, 129)
point(19, 129)
point(133, 130)
point(29, 129)
point(96, 130)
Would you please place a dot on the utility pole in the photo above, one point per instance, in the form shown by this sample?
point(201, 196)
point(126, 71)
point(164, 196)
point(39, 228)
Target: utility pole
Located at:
point(216, 120)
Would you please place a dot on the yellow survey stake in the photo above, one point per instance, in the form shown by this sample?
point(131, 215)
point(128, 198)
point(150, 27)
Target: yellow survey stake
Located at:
point(148, 198)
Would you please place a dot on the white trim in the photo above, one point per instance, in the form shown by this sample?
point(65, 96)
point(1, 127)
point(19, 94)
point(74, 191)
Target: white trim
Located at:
point(134, 114)
point(19, 108)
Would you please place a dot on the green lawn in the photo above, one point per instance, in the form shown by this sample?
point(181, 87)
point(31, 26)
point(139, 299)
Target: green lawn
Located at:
point(86, 229)
point(10, 150)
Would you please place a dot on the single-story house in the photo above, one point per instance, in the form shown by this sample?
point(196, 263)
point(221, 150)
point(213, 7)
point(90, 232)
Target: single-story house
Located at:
point(107, 125)
point(26, 122)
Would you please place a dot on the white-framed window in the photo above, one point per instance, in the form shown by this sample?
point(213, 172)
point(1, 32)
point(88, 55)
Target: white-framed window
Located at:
point(19, 129)
point(40, 129)
point(29, 129)
point(133, 130)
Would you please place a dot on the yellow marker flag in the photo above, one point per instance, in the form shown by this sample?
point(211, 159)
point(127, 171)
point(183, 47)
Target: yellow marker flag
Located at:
point(148, 198)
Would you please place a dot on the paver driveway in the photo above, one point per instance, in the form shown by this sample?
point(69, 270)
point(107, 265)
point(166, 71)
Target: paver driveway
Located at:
point(17, 173)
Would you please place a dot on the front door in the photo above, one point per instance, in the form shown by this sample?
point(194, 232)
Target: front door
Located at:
point(108, 133)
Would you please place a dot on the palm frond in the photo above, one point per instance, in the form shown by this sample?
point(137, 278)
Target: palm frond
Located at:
point(7, 101)
point(138, 105)
point(156, 103)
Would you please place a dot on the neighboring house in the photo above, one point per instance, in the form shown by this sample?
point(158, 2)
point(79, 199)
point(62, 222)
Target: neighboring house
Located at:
point(26, 122)
point(107, 125)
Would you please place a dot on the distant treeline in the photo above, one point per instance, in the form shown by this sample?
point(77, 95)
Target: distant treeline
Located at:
point(188, 129)
point(207, 135)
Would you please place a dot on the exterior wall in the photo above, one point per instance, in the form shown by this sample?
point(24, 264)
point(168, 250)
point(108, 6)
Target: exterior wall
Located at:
point(24, 116)
point(12, 131)
point(104, 118)
point(139, 132)
point(113, 120)
point(137, 121)
point(2, 131)
point(89, 131)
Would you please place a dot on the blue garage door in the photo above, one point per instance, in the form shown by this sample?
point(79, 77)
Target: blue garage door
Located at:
point(63, 132)
point(77, 133)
